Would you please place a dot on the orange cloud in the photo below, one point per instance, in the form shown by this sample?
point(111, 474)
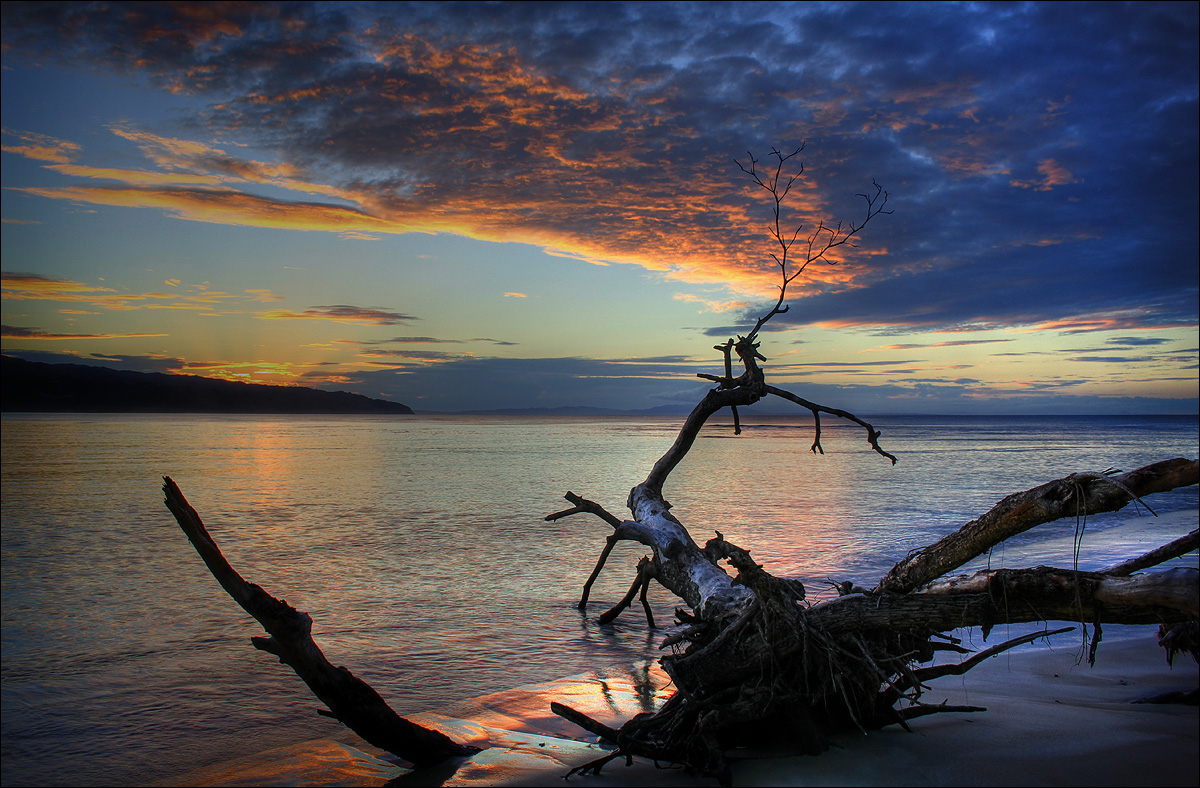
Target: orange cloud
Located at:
point(40, 147)
point(1053, 174)
point(34, 287)
point(136, 177)
point(1125, 320)
point(227, 207)
point(689, 228)
point(713, 305)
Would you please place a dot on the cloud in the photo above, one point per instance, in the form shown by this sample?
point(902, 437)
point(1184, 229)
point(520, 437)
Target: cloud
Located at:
point(36, 287)
point(445, 383)
point(19, 332)
point(228, 206)
point(717, 305)
point(23, 285)
point(41, 147)
point(948, 343)
point(135, 363)
point(428, 341)
point(476, 383)
point(1137, 340)
point(1038, 179)
point(1051, 174)
point(262, 294)
point(1113, 359)
point(342, 313)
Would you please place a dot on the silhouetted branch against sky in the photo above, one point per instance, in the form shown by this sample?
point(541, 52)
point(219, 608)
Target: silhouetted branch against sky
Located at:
point(270, 189)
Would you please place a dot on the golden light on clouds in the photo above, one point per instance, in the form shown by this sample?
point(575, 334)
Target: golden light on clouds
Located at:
point(41, 147)
point(34, 287)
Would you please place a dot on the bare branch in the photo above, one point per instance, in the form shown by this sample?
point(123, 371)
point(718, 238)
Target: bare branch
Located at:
point(645, 572)
point(932, 672)
point(872, 433)
point(582, 506)
point(819, 243)
point(350, 700)
point(1181, 546)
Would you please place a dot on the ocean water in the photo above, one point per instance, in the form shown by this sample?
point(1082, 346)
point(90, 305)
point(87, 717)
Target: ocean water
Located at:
point(418, 546)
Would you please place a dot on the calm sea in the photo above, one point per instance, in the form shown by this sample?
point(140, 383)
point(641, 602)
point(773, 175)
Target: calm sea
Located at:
point(418, 546)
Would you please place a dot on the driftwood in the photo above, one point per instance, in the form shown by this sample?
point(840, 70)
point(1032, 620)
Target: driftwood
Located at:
point(350, 700)
point(756, 651)
point(754, 657)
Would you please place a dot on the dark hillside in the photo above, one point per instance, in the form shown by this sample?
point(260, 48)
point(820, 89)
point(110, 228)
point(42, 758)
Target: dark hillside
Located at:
point(37, 387)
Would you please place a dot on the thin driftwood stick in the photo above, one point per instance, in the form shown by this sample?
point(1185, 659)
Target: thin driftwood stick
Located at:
point(350, 700)
point(922, 675)
point(1181, 546)
point(583, 505)
point(645, 571)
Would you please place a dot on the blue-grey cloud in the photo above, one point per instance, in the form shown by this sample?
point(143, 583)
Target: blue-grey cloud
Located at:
point(466, 384)
point(1137, 340)
point(342, 313)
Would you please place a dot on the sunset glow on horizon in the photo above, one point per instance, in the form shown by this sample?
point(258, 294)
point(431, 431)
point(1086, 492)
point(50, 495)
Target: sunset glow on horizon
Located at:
point(466, 206)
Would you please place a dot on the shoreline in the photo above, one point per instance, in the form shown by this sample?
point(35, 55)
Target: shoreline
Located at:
point(1050, 720)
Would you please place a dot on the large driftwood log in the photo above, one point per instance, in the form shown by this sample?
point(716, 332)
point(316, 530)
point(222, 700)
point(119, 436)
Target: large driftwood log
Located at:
point(756, 650)
point(756, 653)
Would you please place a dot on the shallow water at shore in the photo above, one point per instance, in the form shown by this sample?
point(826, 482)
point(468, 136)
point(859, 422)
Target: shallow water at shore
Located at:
point(418, 547)
point(1050, 719)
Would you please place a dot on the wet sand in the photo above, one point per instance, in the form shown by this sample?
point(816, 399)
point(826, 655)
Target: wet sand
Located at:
point(1050, 720)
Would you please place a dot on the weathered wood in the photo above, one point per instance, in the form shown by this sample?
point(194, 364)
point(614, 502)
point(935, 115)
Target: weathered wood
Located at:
point(1077, 495)
point(918, 677)
point(349, 699)
point(1173, 549)
point(1014, 596)
point(754, 649)
point(584, 505)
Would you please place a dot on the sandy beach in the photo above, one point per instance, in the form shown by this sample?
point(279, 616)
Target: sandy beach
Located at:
point(1051, 720)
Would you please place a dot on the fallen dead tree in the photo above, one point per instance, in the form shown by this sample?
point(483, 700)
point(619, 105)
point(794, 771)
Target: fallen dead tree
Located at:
point(753, 654)
point(757, 657)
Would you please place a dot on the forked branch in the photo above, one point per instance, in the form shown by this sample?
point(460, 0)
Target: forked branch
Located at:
point(819, 243)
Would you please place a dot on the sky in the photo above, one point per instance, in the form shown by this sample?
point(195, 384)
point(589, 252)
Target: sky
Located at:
point(472, 206)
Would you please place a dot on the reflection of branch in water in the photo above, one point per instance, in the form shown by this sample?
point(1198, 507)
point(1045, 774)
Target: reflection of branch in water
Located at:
point(643, 686)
